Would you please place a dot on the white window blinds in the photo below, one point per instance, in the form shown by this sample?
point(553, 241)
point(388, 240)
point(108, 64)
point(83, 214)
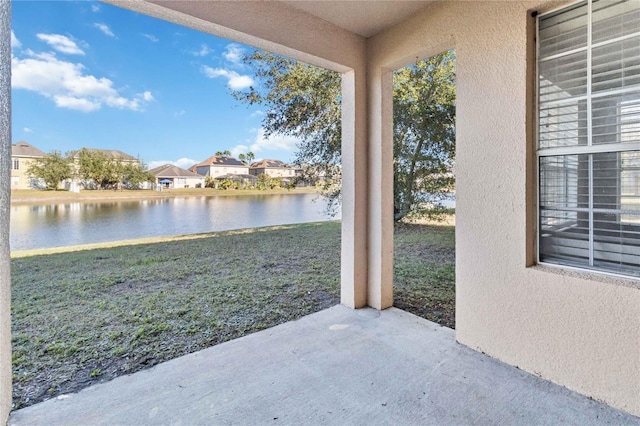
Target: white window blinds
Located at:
point(589, 136)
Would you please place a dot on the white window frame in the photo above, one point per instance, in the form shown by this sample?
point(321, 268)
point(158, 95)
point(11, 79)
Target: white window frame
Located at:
point(590, 148)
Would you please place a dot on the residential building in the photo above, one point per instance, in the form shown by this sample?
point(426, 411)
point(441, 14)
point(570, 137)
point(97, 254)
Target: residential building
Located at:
point(170, 176)
point(273, 168)
point(219, 165)
point(22, 156)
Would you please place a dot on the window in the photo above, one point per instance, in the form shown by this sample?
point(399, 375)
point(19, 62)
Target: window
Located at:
point(589, 136)
point(16, 164)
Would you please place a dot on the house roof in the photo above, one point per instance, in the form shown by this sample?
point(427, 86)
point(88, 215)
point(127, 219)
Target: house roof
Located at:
point(111, 153)
point(171, 171)
point(221, 160)
point(270, 164)
point(23, 149)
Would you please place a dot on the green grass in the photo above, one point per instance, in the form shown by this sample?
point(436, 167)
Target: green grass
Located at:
point(87, 316)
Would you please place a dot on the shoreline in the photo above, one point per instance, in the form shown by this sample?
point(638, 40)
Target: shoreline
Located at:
point(44, 197)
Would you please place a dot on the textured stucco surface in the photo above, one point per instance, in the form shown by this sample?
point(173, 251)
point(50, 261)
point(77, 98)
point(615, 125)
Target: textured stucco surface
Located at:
point(580, 333)
point(5, 194)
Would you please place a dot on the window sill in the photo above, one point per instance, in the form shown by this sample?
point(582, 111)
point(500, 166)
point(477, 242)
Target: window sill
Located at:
point(602, 277)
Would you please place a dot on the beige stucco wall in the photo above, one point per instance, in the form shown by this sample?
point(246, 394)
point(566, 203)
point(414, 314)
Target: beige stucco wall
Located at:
point(577, 330)
point(5, 210)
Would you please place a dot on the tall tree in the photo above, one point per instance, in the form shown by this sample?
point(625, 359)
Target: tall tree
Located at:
point(304, 101)
point(225, 153)
point(424, 135)
point(53, 168)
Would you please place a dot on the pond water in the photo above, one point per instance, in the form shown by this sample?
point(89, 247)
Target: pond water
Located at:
point(57, 225)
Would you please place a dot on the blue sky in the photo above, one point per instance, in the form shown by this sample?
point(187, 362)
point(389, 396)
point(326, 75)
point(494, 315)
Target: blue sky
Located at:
point(88, 74)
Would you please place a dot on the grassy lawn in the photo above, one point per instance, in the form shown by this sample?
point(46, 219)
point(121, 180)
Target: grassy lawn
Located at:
point(87, 316)
point(34, 196)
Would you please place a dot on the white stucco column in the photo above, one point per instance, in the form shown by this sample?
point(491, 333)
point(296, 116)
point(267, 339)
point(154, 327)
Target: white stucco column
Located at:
point(353, 291)
point(5, 195)
point(380, 212)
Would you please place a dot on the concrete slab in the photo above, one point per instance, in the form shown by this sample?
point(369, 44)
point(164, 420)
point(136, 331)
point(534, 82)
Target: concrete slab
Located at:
point(338, 366)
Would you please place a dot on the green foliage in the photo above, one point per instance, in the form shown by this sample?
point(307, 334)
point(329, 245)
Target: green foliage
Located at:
point(53, 168)
point(305, 102)
point(266, 182)
point(135, 174)
point(424, 135)
point(225, 153)
point(226, 184)
point(97, 168)
point(302, 101)
point(247, 158)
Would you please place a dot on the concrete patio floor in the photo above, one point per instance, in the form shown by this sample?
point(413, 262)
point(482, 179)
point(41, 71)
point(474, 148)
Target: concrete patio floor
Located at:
point(338, 366)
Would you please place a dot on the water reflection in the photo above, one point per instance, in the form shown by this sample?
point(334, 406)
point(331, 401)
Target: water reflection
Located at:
point(83, 223)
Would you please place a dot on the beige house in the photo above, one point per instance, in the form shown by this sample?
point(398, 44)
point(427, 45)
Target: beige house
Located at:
point(22, 156)
point(219, 165)
point(273, 168)
point(546, 143)
point(170, 176)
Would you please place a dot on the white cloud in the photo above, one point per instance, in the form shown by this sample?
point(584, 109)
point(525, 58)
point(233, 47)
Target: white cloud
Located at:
point(15, 43)
point(179, 113)
point(62, 44)
point(264, 143)
point(151, 37)
point(104, 28)
point(146, 96)
point(234, 54)
point(235, 81)
point(258, 113)
point(27, 130)
point(204, 51)
point(239, 149)
point(66, 84)
point(184, 163)
point(95, 8)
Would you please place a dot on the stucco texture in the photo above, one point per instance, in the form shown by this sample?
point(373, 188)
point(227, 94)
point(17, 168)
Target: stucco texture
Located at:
point(581, 333)
point(5, 201)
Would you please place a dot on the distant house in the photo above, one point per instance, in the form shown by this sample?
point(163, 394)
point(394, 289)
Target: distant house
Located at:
point(272, 168)
point(219, 165)
point(111, 153)
point(22, 156)
point(170, 176)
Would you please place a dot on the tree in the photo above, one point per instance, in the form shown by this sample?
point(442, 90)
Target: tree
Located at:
point(304, 101)
point(53, 168)
point(99, 168)
point(135, 174)
point(247, 158)
point(424, 135)
point(225, 153)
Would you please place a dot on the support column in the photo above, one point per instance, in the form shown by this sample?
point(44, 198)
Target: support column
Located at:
point(5, 195)
point(353, 292)
point(380, 228)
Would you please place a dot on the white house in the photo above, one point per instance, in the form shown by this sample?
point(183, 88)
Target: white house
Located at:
point(219, 165)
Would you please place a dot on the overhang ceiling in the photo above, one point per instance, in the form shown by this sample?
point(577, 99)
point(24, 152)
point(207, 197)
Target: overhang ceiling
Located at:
point(365, 18)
